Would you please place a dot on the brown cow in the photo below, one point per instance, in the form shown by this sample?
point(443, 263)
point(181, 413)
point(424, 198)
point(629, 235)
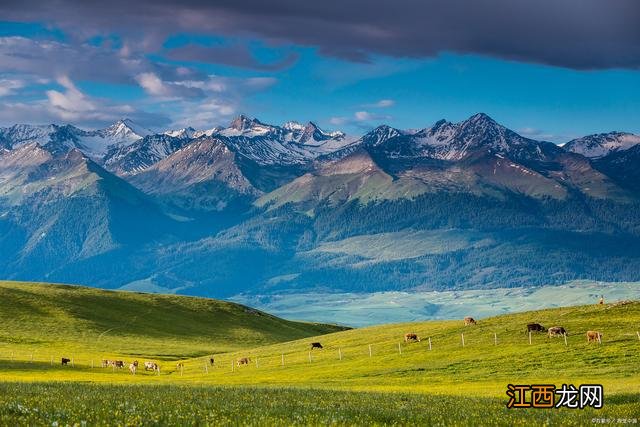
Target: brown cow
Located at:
point(316, 345)
point(411, 337)
point(243, 361)
point(594, 336)
point(65, 361)
point(469, 321)
point(211, 361)
point(120, 364)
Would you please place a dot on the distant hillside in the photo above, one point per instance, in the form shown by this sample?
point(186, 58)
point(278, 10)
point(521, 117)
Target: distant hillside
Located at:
point(54, 318)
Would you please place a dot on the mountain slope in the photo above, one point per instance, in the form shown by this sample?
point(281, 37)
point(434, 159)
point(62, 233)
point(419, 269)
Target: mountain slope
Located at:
point(142, 154)
point(623, 167)
point(59, 209)
point(201, 176)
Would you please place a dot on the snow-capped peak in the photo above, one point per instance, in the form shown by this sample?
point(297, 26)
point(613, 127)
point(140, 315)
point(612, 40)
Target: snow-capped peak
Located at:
point(293, 126)
point(187, 132)
point(599, 145)
point(243, 123)
point(126, 130)
point(380, 134)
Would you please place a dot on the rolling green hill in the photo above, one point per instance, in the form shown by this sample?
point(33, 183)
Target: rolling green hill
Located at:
point(50, 319)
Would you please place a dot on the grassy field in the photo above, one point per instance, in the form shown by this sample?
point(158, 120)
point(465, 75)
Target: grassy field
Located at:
point(126, 405)
point(62, 320)
point(361, 376)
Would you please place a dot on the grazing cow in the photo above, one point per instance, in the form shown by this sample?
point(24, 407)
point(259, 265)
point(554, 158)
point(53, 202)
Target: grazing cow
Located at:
point(316, 345)
point(557, 331)
point(179, 365)
point(120, 364)
point(151, 366)
point(594, 336)
point(411, 337)
point(65, 361)
point(211, 361)
point(133, 367)
point(535, 327)
point(109, 363)
point(469, 321)
point(243, 361)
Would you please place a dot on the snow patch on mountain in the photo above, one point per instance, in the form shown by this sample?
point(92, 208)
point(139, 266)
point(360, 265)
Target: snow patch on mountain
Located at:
point(600, 145)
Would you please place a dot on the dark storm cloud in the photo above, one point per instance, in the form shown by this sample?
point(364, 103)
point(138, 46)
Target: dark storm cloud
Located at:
point(236, 55)
point(580, 34)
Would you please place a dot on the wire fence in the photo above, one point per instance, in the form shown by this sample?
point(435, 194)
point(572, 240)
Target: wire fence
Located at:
point(262, 358)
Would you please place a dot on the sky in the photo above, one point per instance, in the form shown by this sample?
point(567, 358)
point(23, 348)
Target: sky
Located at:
point(551, 70)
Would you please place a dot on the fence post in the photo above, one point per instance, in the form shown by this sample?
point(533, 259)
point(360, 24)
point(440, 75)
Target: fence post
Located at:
point(257, 365)
point(206, 368)
point(599, 340)
point(282, 359)
point(399, 349)
point(369, 350)
point(339, 353)
point(51, 360)
point(91, 363)
point(565, 340)
point(233, 366)
point(182, 369)
point(529, 337)
point(31, 361)
point(637, 332)
point(495, 338)
point(73, 365)
point(309, 356)
point(462, 335)
point(429, 343)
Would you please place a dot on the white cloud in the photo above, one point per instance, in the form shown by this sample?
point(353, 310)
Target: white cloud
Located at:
point(10, 86)
point(362, 115)
point(383, 103)
point(71, 103)
point(338, 121)
point(152, 84)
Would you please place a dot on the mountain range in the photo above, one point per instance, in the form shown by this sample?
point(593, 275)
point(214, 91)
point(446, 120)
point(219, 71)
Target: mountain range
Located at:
point(259, 208)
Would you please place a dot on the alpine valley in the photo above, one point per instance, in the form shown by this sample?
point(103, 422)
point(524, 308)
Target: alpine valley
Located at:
point(258, 209)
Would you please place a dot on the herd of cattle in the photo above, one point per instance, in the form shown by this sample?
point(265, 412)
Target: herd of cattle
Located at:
point(133, 366)
point(555, 331)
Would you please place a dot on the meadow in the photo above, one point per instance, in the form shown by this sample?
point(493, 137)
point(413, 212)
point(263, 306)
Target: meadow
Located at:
point(360, 376)
point(59, 404)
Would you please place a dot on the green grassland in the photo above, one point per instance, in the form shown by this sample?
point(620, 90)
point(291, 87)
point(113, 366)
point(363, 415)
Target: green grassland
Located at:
point(56, 320)
point(361, 376)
